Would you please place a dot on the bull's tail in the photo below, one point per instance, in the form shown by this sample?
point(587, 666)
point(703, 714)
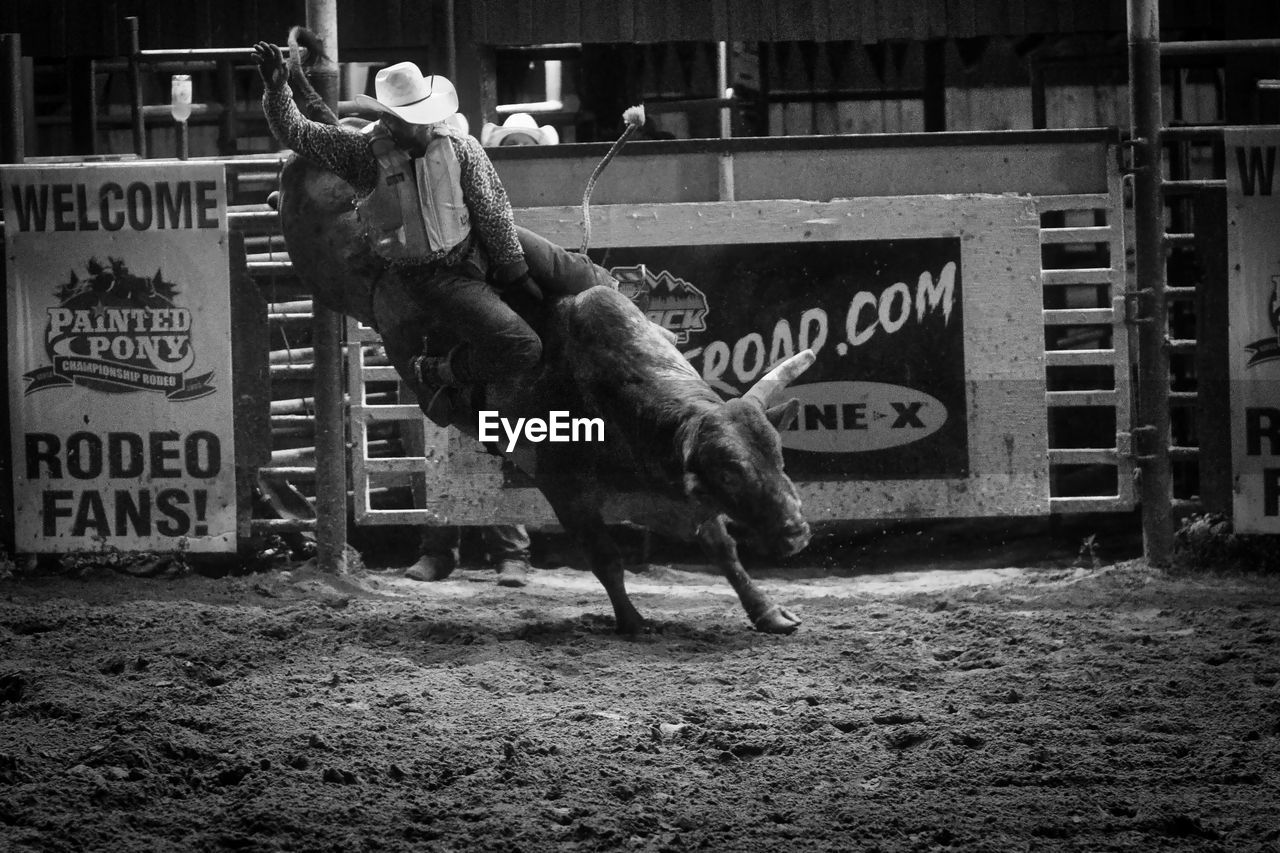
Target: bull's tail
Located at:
point(306, 47)
point(634, 119)
point(306, 50)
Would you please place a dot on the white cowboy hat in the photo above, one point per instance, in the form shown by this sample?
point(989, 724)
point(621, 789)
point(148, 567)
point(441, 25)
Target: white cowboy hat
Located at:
point(459, 123)
point(404, 92)
point(521, 124)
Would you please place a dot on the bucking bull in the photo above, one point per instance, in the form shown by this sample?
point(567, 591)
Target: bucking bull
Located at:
point(709, 469)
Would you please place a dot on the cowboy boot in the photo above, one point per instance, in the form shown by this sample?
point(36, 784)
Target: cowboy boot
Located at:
point(513, 572)
point(438, 549)
point(436, 372)
point(508, 547)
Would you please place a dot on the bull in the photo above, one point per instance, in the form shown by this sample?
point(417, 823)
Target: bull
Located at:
point(704, 468)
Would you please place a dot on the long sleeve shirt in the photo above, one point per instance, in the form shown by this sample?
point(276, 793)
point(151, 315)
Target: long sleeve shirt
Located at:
point(347, 153)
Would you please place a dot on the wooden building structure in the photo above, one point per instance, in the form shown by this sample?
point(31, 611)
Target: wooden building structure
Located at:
point(796, 66)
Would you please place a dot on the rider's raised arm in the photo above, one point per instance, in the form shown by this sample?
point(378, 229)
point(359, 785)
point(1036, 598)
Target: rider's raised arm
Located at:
point(490, 210)
point(341, 150)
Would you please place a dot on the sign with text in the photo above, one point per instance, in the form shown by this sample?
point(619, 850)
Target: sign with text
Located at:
point(885, 399)
point(119, 328)
point(1253, 225)
point(926, 314)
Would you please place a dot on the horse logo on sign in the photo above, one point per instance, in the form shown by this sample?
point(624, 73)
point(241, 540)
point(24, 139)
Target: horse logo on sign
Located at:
point(1268, 349)
point(120, 333)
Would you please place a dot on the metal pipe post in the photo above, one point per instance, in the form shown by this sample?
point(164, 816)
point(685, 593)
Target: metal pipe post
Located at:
point(1225, 46)
point(450, 39)
point(135, 89)
point(727, 190)
point(187, 55)
point(93, 106)
point(331, 445)
point(1149, 259)
point(228, 130)
point(13, 147)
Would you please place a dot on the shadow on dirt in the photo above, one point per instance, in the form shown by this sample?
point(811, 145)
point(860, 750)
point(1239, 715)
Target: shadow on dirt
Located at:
point(427, 637)
point(851, 549)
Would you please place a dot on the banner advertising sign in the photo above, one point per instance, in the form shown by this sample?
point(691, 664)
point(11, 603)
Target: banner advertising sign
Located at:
point(119, 328)
point(885, 399)
point(1253, 226)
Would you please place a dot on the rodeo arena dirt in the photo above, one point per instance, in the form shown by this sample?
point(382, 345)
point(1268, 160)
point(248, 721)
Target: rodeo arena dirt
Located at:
point(940, 703)
point(623, 425)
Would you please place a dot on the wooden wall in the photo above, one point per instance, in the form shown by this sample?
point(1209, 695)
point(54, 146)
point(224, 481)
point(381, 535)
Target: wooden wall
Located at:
point(53, 28)
point(502, 22)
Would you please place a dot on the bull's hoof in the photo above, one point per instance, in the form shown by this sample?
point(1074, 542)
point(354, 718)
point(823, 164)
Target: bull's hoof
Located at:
point(777, 620)
point(632, 627)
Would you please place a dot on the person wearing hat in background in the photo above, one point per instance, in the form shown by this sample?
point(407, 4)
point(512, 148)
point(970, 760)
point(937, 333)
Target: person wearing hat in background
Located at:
point(436, 211)
point(559, 272)
point(518, 129)
point(506, 545)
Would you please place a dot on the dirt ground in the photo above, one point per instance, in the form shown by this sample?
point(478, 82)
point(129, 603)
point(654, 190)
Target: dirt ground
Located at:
point(930, 704)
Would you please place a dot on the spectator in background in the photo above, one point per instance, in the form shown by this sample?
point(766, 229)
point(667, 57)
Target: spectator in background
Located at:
point(518, 129)
point(506, 545)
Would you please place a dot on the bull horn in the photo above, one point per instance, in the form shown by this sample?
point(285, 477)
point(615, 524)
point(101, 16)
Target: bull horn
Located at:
point(772, 383)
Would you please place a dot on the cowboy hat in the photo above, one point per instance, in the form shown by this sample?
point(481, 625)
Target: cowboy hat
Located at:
point(518, 124)
point(403, 91)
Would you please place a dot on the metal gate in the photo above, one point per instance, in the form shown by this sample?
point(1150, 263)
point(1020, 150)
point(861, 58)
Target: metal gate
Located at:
point(1088, 352)
point(378, 399)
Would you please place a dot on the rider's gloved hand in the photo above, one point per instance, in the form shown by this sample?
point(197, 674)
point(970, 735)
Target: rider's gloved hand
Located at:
point(271, 65)
point(523, 287)
point(523, 296)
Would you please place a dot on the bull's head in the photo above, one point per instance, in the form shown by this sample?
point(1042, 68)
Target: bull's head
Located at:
point(733, 462)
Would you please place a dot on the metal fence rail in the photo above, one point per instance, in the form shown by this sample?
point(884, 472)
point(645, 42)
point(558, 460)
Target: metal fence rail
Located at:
point(293, 415)
point(417, 448)
point(1088, 350)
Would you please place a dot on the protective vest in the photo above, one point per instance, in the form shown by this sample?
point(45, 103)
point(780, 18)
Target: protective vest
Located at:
point(417, 209)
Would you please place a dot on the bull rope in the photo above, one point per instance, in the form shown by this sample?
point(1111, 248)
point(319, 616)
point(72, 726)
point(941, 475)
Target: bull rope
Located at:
point(634, 118)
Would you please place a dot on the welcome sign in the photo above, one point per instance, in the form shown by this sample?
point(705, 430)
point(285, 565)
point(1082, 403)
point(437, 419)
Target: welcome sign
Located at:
point(120, 357)
point(1253, 237)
